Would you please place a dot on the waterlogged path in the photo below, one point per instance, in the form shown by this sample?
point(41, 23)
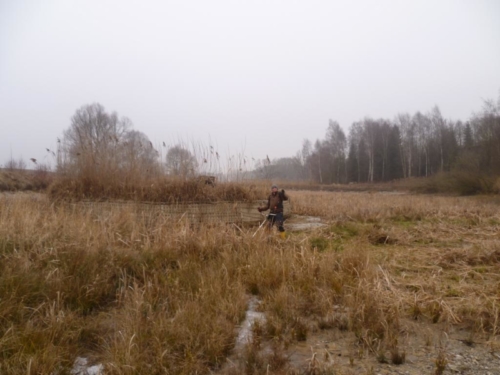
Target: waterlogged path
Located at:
point(302, 223)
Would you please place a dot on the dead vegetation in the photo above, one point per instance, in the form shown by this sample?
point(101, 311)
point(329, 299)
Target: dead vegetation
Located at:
point(158, 296)
point(161, 189)
point(25, 180)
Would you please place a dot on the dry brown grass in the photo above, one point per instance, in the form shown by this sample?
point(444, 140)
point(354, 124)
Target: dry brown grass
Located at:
point(25, 180)
point(400, 185)
point(379, 206)
point(434, 246)
point(146, 296)
point(161, 189)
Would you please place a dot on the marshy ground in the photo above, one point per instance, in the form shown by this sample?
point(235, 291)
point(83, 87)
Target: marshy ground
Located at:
point(390, 284)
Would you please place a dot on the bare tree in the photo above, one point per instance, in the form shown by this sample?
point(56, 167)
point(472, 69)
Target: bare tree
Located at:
point(92, 141)
point(369, 136)
point(180, 162)
point(438, 128)
point(384, 136)
point(318, 151)
point(102, 145)
point(408, 142)
point(137, 154)
point(486, 130)
point(337, 144)
point(306, 151)
point(357, 152)
point(423, 128)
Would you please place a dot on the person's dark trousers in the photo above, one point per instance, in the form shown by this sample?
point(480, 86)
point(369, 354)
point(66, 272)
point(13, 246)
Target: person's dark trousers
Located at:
point(276, 219)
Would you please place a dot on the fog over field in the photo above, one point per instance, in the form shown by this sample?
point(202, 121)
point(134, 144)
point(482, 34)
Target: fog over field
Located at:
point(252, 77)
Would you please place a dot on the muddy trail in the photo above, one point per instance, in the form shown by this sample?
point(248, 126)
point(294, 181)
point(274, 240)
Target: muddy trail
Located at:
point(423, 348)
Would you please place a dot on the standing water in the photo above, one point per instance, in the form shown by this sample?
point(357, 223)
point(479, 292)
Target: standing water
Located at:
point(244, 336)
point(245, 331)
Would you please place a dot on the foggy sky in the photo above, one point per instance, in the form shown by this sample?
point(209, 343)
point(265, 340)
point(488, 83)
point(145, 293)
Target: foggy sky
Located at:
point(254, 77)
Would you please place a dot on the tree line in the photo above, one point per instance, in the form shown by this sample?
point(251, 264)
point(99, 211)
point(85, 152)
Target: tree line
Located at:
point(373, 150)
point(378, 150)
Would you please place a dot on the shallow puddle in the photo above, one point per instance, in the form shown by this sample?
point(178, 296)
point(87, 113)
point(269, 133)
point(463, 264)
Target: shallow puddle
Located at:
point(300, 223)
point(245, 330)
point(244, 335)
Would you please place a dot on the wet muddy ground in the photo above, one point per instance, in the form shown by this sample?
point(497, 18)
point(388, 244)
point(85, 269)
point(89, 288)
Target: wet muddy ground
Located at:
point(424, 348)
point(302, 223)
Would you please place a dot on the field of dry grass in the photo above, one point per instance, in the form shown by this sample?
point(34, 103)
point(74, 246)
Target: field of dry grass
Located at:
point(23, 180)
point(159, 189)
point(389, 277)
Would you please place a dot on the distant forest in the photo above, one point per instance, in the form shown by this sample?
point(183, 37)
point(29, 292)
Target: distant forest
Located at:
point(100, 145)
point(378, 150)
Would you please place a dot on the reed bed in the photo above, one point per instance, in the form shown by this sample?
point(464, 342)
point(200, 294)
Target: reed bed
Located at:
point(143, 295)
point(377, 206)
point(161, 190)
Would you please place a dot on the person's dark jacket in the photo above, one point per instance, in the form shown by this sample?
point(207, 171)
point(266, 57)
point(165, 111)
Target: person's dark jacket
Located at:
point(275, 202)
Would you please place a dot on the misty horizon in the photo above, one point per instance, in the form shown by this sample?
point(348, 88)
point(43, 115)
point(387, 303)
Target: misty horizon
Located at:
point(253, 78)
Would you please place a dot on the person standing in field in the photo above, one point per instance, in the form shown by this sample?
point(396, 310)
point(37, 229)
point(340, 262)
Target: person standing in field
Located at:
point(275, 207)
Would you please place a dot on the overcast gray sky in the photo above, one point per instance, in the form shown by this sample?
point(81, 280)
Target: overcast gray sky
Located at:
point(256, 76)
